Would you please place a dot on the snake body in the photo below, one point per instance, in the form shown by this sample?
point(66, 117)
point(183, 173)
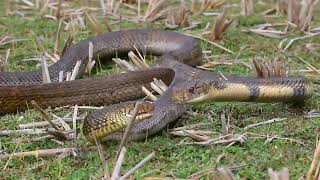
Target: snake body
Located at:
point(17, 89)
point(186, 84)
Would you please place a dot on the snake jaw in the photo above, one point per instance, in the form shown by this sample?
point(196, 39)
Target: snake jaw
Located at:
point(202, 98)
point(191, 92)
point(242, 90)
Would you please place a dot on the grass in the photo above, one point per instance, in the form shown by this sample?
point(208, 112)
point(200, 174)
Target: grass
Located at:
point(173, 159)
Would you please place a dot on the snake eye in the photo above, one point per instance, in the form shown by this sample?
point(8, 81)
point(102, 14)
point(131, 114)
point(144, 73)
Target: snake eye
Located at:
point(191, 90)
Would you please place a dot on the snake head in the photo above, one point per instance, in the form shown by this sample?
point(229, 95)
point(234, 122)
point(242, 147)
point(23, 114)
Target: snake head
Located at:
point(191, 92)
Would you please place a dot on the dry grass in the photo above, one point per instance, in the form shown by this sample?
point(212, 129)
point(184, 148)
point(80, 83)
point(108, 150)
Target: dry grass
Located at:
point(220, 27)
point(300, 14)
point(199, 7)
point(180, 17)
point(247, 7)
point(236, 137)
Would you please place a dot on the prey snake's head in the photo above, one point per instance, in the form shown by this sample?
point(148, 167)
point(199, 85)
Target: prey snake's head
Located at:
point(192, 92)
point(243, 90)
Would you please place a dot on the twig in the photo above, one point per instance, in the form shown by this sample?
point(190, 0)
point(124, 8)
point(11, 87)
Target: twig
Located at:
point(46, 152)
point(117, 6)
point(103, 7)
point(58, 10)
point(65, 126)
point(68, 76)
point(7, 57)
point(299, 38)
point(265, 122)
point(153, 9)
point(41, 138)
point(43, 49)
point(312, 114)
point(138, 166)
point(75, 71)
point(200, 174)
point(60, 79)
point(124, 64)
point(103, 158)
point(220, 157)
point(290, 11)
point(185, 132)
point(9, 39)
point(224, 124)
point(195, 136)
point(193, 25)
point(139, 9)
point(269, 139)
point(110, 6)
point(212, 43)
point(67, 44)
point(308, 64)
point(310, 11)
point(149, 94)
point(231, 139)
point(246, 7)
point(155, 87)
point(117, 167)
point(57, 39)
point(192, 126)
point(94, 24)
point(10, 157)
point(74, 120)
point(89, 67)
point(314, 163)
point(138, 61)
point(45, 71)
point(279, 175)
point(127, 132)
point(90, 107)
point(46, 123)
point(269, 33)
point(220, 27)
point(106, 22)
point(45, 115)
point(5, 61)
point(22, 132)
point(225, 173)
point(160, 84)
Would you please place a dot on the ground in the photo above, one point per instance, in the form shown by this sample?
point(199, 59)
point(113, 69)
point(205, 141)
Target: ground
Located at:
point(294, 150)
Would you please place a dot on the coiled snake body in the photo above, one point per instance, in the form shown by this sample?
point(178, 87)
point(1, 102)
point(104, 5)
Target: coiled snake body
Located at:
point(186, 84)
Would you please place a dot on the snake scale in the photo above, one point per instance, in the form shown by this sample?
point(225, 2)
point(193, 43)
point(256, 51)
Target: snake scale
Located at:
point(177, 54)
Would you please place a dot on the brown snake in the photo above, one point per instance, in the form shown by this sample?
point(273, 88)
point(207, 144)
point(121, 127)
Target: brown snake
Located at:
point(177, 54)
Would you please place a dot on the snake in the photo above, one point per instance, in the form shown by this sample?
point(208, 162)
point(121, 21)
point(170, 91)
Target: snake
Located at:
point(177, 56)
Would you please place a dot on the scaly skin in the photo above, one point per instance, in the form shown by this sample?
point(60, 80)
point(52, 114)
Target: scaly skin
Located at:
point(178, 53)
point(17, 89)
point(243, 90)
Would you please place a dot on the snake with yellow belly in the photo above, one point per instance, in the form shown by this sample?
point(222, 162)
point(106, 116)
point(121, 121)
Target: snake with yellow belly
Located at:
point(186, 84)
